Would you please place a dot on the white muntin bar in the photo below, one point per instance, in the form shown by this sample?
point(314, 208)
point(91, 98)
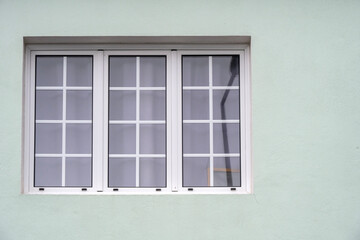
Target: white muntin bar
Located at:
point(62, 88)
point(137, 155)
point(213, 121)
point(214, 155)
point(61, 155)
point(63, 159)
point(137, 88)
point(211, 133)
point(137, 121)
point(208, 87)
point(61, 121)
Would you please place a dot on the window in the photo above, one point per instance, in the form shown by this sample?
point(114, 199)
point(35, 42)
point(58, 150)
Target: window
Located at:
point(157, 119)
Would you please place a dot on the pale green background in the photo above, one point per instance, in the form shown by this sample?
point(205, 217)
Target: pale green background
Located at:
point(306, 123)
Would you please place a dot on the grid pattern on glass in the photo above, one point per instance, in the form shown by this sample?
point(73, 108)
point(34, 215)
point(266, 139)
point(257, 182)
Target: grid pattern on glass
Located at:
point(63, 121)
point(137, 122)
point(211, 121)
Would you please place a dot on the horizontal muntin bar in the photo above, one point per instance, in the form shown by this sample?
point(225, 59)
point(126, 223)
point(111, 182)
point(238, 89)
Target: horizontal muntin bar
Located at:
point(137, 155)
point(208, 87)
point(62, 88)
point(212, 121)
point(61, 121)
point(134, 122)
point(136, 88)
point(61, 155)
point(213, 155)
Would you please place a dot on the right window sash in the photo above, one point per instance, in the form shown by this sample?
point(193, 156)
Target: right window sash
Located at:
point(213, 121)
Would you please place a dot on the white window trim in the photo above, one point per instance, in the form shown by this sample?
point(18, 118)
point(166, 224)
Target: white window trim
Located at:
point(100, 53)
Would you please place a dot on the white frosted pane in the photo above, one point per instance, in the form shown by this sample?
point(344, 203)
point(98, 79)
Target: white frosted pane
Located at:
point(196, 172)
point(195, 71)
point(78, 172)
point(227, 169)
point(152, 172)
point(196, 138)
point(79, 105)
point(78, 138)
point(152, 105)
point(122, 71)
point(222, 72)
point(195, 104)
point(152, 138)
point(152, 71)
point(230, 105)
point(48, 138)
point(122, 138)
point(122, 172)
point(49, 105)
point(229, 131)
point(48, 172)
point(49, 71)
point(79, 71)
point(122, 105)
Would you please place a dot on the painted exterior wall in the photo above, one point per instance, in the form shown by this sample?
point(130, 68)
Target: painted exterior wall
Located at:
point(306, 123)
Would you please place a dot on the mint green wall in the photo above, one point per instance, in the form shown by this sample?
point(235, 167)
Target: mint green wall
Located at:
point(306, 123)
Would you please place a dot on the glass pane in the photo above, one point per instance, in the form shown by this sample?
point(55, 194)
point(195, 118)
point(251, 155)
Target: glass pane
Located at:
point(196, 138)
point(48, 172)
point(78, 138)
point(79, 105)
point(152, 105)
point(226, 104)
point(122, 172)
point(226, 138)
point(195, 71)
point(78, 172)
point(79, 71)
point(195, 104)
point(196, 172)
point(227, 171)
point(122, 105)
point(152, 71)
point(48, 138)
point(122, 138)
point(152, 172)
point(49, 105)
point(152, 138)
point(223, 68)
point(49, 71)
point(122, 71)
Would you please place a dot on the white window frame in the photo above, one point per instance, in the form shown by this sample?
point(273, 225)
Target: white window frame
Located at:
point(173, 53)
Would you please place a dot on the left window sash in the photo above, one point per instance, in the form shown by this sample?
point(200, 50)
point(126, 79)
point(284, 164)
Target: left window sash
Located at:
point(60, 125)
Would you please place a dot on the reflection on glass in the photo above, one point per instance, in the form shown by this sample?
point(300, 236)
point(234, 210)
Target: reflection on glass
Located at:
point(78, 105)
point(122, 138)
point(48, 138)
point(122, 172)
point(122, 105)
point(78, 138)
point(79, 71)
point(47, 172)
point(49, 71)
point(225, 70)
point(195, 70)
point(227, 171)
point(78, 172)
point(49, 105)
point(122, 71)
point(195, 104)
point(152, 172)
point(196, 138)
point(152, 138)
point(152, 105)
point(226, 138)
point(196, 172)
point(152, 71)
point(228, 108)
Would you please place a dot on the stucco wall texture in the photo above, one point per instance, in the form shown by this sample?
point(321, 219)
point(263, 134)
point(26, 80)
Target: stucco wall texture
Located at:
point(305, 58)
